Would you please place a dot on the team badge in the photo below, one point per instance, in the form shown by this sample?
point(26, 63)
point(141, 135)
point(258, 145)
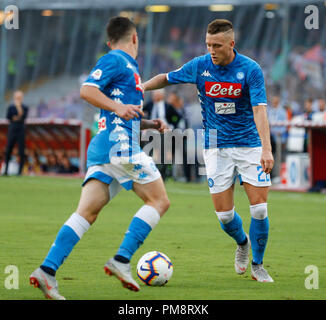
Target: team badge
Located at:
point(240, 75)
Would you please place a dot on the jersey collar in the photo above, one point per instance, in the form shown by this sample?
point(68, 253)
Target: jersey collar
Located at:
point(128, 56)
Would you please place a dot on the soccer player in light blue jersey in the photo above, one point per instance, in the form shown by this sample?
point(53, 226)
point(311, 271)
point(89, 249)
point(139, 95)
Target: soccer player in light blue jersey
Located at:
point(114, 160)
point(231, 92)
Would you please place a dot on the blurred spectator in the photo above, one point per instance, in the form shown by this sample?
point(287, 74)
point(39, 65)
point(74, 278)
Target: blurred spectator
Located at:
point(288, 111)
point(320, 115)
point(321, 105)
point(307, 115)
point(66, 167)
point(177, 120)
point(35, 166)
point(180, 122)
point(277, 113)
point(16, 114)
point(52, 165)
point(278, 133)
point(308, 111)
point(42, 109)
point(158, 108)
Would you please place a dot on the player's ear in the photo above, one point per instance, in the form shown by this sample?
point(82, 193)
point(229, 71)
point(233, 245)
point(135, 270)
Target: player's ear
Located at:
point(134, 38)
point(109, 44)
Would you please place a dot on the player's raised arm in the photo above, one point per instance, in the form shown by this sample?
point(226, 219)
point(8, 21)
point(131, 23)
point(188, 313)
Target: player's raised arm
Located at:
point(261, 121)
point(94, 96)
point(157, 82)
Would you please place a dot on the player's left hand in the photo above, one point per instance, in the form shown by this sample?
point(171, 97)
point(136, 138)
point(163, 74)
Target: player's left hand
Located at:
point(267, 161)
point(160, 125)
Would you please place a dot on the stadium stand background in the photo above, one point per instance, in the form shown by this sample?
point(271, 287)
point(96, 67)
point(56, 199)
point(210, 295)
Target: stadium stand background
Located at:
point(58, 42)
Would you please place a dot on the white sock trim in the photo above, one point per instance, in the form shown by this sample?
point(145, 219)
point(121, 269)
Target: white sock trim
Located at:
point(77, 223)
point(148, 214)
point(259, 211)
point(225, 216)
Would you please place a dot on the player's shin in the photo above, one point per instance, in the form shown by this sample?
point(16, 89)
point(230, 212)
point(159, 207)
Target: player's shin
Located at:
point(231, 223)
point(141, 225)
point(67, 237)
point(258, 232)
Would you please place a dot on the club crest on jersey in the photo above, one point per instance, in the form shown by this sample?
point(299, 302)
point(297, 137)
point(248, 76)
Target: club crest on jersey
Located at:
point(97, 74)
point(223, 89)
point(240, 75)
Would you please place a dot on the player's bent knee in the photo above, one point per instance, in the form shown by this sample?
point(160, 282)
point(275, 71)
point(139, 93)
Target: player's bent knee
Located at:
point(165, 205)
point(259, 211)
point(225, 216)
point(90, 209)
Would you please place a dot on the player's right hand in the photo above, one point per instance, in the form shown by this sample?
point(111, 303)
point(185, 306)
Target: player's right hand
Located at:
point(267, 161)
point(129, 111)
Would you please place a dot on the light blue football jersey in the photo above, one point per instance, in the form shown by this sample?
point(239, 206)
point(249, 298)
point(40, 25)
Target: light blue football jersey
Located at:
point(227, 95)
point(116, 74)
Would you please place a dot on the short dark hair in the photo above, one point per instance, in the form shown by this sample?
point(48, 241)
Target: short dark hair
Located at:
point(118, 28)
point(219, 25)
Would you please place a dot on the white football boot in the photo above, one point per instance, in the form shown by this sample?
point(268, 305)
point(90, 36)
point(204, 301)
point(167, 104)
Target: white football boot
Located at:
point(122, 272)
point(46, 283)
point(241, 260)
point(260, 274)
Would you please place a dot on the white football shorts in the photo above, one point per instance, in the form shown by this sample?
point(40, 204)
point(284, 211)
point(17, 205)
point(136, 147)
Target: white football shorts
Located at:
point(224, 165)
point(139, 168)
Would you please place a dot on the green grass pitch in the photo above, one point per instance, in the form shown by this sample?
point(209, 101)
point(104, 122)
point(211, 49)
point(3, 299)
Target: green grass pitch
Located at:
point(32, 209)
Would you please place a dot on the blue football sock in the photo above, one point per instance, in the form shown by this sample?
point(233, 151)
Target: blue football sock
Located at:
point(234, 229)
point(141, 225)
point(63, 244)
point(258, 234)
point(67, 237)
point(137, 232)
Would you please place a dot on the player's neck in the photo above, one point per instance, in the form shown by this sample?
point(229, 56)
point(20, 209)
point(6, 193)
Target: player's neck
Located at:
point(229, 60)
point(127, 48)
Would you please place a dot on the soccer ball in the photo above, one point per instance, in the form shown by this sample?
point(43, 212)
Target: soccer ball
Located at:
point(154, 268)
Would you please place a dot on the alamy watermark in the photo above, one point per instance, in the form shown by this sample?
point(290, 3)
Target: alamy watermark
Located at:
point(11, 17)
point(312, 281)
point(312, 20)
point(12, 277)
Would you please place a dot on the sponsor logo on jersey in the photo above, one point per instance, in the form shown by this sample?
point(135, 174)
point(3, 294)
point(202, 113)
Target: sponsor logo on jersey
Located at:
point(206, 74)
point(97, 74)
point(101, 124)
point(224, 107)
point(223, 89)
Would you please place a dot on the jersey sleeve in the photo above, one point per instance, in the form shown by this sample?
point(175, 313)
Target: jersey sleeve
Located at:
point(105, 71)
point(186, 74)
point(257, 89)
